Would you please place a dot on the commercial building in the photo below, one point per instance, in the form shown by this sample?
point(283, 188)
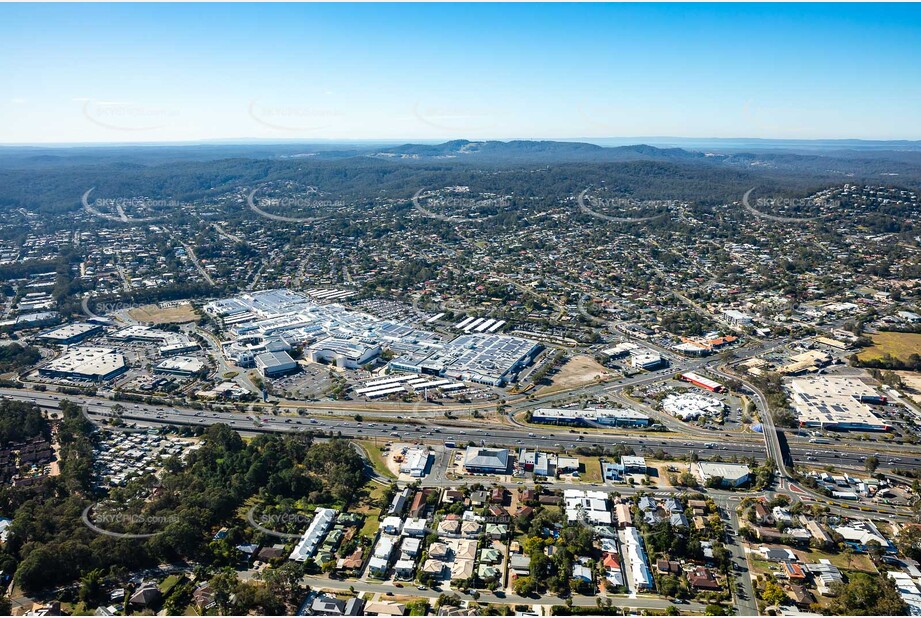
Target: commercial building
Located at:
point(69, 334)
point(415, 461)
point(483, 358)
point(698, 380)
point(633, 465)
point(275, 363)
point(180, 366)
point(86, 363)
point(834, 403)
point(615, 417)
point(332, 333)
point(479, 460)
point(344, 353)
point(691, 406)
point(736, 317)
point(170, 343)
point(730, 475)
point(646, 359)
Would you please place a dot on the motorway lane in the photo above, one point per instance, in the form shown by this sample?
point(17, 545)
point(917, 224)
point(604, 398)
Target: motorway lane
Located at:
point(431, 431)
point(439, 431)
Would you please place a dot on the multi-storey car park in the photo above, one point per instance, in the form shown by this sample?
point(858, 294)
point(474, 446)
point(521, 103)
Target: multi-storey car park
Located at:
point(277, 320)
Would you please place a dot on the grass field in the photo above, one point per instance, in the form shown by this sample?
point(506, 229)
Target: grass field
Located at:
point(899, 345)
point(591, 469)
point(377, 459)
point(152, 314)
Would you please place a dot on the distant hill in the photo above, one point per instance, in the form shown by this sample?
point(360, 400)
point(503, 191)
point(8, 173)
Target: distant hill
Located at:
point(534, 151)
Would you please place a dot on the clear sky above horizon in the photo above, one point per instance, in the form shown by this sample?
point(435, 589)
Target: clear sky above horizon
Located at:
point(168, 72)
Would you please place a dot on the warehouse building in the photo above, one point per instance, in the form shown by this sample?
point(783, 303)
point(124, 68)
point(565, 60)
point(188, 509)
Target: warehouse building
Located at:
point(479, 460)
point(86, 363)
point(730, 475)
point(69, 334)
point(834, 403)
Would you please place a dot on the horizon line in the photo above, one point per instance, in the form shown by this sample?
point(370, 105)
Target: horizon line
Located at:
point(640, 140)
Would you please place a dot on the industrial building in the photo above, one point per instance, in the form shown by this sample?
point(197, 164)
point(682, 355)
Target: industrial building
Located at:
point(86, 363)
point(69, 334)
point(273, 364)
point(835, 403)
point(479, 460)
point(731, 475)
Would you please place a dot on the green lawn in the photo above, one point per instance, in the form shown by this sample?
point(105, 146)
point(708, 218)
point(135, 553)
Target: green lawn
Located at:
point(377, 459)
point(591, 469)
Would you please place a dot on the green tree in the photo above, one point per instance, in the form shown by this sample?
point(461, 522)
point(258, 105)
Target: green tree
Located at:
point(773, 594)
point(867, 595)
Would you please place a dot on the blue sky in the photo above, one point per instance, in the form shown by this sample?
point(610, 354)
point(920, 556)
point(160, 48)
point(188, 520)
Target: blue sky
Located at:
point(158, 72)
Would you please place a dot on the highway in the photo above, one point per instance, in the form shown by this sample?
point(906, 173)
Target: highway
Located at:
point(460, 431)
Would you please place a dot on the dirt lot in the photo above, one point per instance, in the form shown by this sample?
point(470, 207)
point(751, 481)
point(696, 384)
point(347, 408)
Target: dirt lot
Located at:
point(152, 314)
point(899, 345)
point(578, 371)
point(912, 382)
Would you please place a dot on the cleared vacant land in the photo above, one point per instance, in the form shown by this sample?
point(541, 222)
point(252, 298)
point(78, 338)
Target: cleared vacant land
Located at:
point(899, 345)
point(152, 314)
point(578, 371)
point(912, 382)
